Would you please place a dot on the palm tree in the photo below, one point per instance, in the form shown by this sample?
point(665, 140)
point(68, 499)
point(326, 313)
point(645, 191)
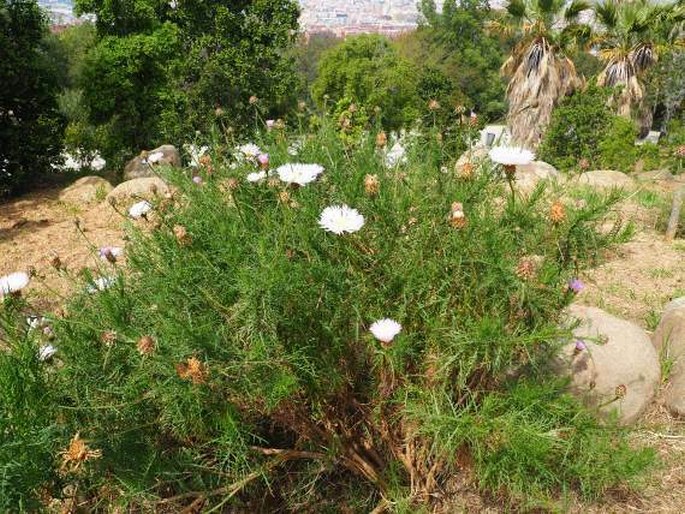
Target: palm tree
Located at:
point(539, 69)
point(630, 37)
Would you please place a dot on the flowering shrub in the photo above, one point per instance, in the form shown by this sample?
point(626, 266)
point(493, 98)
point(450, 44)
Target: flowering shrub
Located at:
point(364, 336)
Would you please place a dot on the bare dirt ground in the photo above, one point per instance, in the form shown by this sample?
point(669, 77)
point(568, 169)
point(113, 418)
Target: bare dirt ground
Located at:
point(634, 283)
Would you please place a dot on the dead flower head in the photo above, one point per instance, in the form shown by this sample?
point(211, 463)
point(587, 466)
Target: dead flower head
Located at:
point(381, 139)
point(76, 454)
point(371, 185)
point(146, 345)
point(557, 212)
point(182, 236)
point(457, 216)
point(108, 337)
point(466, 170)
point(528, 267)
point(194, 370)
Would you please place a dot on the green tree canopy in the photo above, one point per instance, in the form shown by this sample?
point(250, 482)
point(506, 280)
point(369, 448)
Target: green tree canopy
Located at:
point(29, 121)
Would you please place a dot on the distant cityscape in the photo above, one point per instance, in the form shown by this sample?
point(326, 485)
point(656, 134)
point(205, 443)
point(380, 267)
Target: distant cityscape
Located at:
point(341, 17)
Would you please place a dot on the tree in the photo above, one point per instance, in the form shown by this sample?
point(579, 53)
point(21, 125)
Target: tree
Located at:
point(630, 39)
point(368, 71)
point(455, 44)
point(539, 68)
point(30, 124)
point(160, 71)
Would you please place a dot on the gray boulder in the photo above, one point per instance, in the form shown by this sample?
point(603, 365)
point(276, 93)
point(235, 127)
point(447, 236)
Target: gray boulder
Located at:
point(86, 190)
point(669, 341)
point(138, 188)
point(606, 179)
point(528, 176)
point(144, 164)
point(618, 371)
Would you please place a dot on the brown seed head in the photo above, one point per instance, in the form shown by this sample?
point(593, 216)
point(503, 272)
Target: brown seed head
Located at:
point(528, 267)
point(56, 263)
point(253, 100)
point(621, 391)
point(182, 236)
point(194, 370)
point(557, 212)
point(371, 185)
point(680, 152)
point(466, 170)
point(76, 454)
point(584, 164)
point(146, 345)
point(284, 197)
point(108, 337)
point(433, 105)
point(301, 106)
point(381, 139)
point(457, 216)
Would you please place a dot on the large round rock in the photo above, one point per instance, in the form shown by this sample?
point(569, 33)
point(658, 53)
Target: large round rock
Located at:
point(606, 179)
point(138, 188)
point(669, 340)
point(144, 164)
point(86, 190)
point(528, 176)
point(618, 372)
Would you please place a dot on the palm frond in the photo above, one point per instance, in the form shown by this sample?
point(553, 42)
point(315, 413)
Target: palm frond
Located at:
point(516, 9)
point(574, 9)
point(607, 14)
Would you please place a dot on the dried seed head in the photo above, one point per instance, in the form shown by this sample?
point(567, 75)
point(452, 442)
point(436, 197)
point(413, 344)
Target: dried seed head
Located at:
point(108, 337)
point(371, 185)
point(146, 345)
point(621, 391)
point(381, 139)
point(509, 171)
point(56, 263)
point(557, 212)
point(584, 164)
point(218, 112)
point(433, 105)
point(194, 370)
point(284, 197)
point(457, 216)
point(205, 160)
point(154, 189)
point(352, 108)
point(466, 170)
point(528, 267)
point(76, 454)
point(182, 236)
point(253, 100)
point(460, 109)
point(680, 152)
point(301, 106)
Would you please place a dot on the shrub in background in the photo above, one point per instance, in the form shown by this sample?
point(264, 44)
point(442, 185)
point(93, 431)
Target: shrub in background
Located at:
point(233, 363)
point(30, 124)
point(367, 70)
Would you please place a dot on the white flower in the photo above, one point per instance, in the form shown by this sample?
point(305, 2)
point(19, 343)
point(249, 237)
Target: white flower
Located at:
point(256, 176)
point(140, 209)
point(195, 153)
point(46, 351)
point(98, 163)
point(340, 219)
point(173, 4)
point(385, 330)
point(511, 155)
point(36, 322)
point(396, 155)
point(154, 158)
point(250, 151)
point(100, 284)
point(13, 282)
point(300, 174)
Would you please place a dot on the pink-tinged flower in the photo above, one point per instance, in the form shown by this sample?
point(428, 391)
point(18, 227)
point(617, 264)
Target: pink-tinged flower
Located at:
point(580, 346)
point(197, 179)
point(263, 160)
point(575, 285)
point(110, 253)
point(140, 209)
point(385, 330)
point(270, 124)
